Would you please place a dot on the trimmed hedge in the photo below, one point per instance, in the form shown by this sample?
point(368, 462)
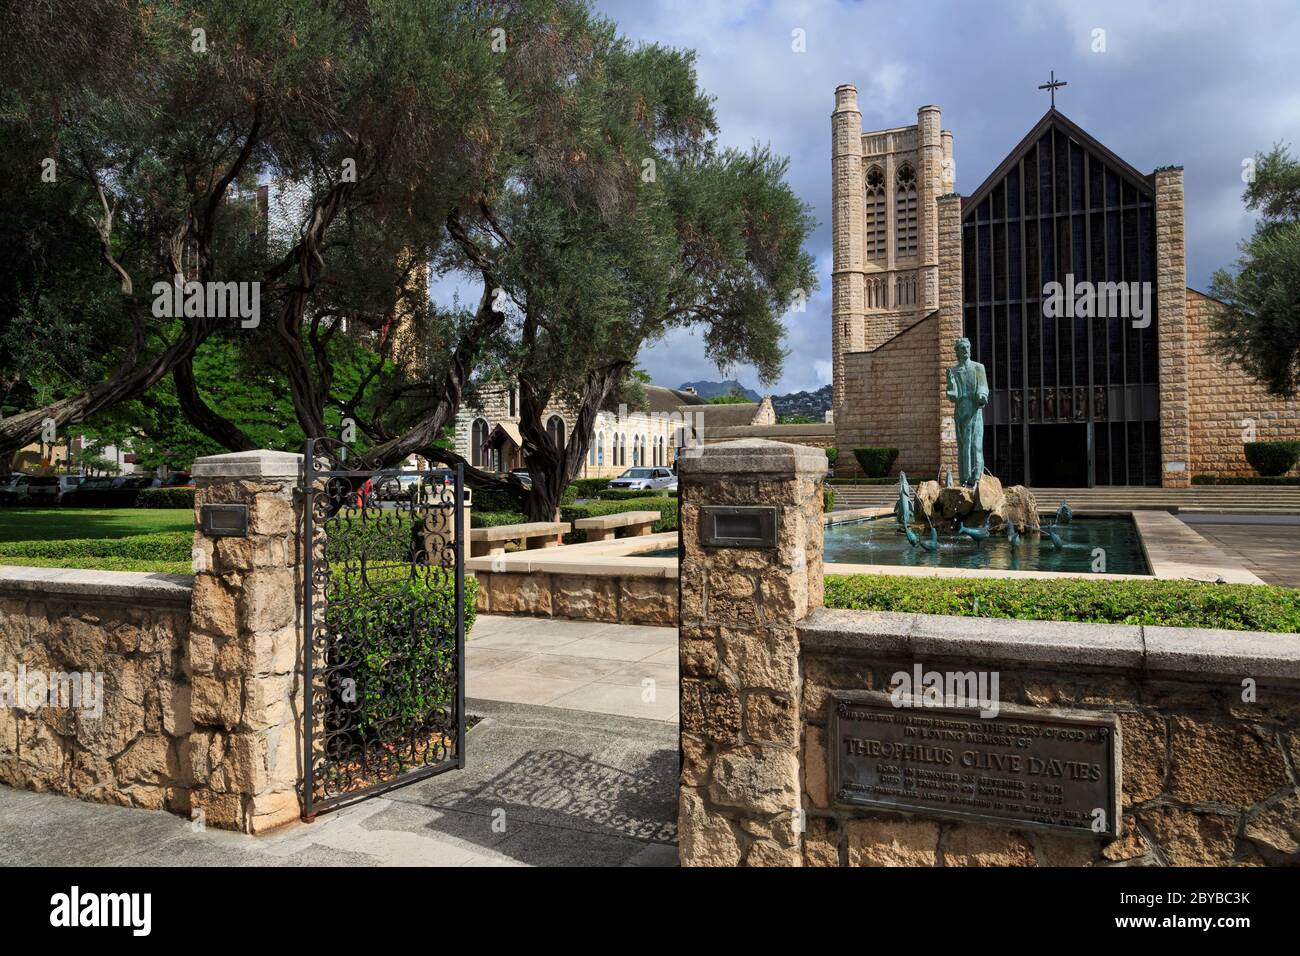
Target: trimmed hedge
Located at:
point(165, 498)
point(667, 508)
point(861, 481)
point(494, 499)
point(1282, 480)
point(106, 498)
point(875, 462)
point(828, 500)
point(495, 519)
point(162, 546)
point(588, 487)
point(1272, 458)
point(832, 455)
point(1237, 607)
point(631, 494)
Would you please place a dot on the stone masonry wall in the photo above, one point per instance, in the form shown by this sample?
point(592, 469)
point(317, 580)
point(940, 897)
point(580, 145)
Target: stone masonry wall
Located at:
point(1208, 780)
point(130, 629)
point(740, 794)
point(616, 598)
point(1225, 401)
point(245, 663)
point(885, 408)
point(1172, 332)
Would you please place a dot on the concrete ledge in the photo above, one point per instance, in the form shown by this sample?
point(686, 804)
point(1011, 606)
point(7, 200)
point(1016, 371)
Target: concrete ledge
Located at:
point(1235, 654)
point(621, 519)
point(1203, 653)
point(120, 586)
point(262, 463)
point(528, 529)
point(756, 456)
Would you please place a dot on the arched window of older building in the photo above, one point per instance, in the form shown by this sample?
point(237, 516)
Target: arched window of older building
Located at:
point(875, 220)
point(905, 213)
point(478, 435)
point(555, 429)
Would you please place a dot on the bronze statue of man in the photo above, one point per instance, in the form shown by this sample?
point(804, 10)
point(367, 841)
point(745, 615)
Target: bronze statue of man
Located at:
point(968, 390)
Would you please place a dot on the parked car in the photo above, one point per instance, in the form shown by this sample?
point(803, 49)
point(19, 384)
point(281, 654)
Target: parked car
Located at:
point(68, 485)
point(36, 489)
point(522, 475)
point(645, 479)
point(9, 488)
point(177, 479)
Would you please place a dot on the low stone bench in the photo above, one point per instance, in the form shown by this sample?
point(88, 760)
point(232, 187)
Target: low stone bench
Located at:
point(534, 534)
point(602, 527)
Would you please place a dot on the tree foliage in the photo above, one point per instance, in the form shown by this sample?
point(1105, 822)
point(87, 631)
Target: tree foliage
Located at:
point(1258, 328)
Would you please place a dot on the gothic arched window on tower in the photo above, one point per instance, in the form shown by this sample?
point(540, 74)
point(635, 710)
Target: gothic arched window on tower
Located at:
point(875, 232)
point(905, 214)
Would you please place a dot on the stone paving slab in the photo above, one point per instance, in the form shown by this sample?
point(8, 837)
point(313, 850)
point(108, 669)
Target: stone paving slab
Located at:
point(622, 669)
point(1268, 549)
point(542, 787)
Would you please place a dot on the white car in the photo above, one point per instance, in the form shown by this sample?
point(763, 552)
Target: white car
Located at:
point(645, 479)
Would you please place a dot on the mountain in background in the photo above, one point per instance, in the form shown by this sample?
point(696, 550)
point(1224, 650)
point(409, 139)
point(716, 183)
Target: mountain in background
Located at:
point(812, 405)
point(712, 389)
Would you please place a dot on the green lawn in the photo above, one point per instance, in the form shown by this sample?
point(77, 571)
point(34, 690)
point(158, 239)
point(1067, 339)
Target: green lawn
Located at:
point(104, 539)
point(35, 524)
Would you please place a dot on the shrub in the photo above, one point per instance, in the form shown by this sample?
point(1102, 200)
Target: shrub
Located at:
point(401, 655)
point(875, 462)
point(495, 519)
point(1238, 607)
point(401, 636)
point(165, 498)
point(106, 498)
point(588, 487)
point(631, 494)
point(828, 500)
point(1271, 458)
point(667, 508)
point(496, 499)
point(832, 454)
point(162, 546)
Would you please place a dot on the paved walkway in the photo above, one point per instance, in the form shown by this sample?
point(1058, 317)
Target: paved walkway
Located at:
point(600, 668)
point(1267, 547)
point(590, 779)
point(542, 787)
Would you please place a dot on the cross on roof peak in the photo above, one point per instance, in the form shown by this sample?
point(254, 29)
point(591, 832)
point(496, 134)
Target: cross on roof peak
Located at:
point(1052, 86)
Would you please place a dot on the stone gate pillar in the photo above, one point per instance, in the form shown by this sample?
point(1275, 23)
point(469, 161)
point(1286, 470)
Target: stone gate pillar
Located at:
point(243, 662)
point(741, 796)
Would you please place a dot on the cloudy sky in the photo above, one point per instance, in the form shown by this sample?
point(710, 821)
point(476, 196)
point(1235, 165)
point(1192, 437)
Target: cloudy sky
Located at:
point(1202, 85)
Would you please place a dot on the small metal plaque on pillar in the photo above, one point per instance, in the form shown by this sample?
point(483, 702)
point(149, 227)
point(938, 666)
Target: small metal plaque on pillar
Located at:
point(730, 526)
point(224, 521)
point(1058, 770)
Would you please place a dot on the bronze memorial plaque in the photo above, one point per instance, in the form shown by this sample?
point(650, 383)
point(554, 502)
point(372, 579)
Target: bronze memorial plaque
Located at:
point(1028, 767)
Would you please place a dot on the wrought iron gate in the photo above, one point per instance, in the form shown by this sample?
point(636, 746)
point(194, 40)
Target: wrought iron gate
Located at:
point(383, 623)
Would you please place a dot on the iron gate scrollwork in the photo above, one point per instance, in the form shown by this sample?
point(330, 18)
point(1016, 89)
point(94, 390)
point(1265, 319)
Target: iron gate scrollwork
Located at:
point(384, 625)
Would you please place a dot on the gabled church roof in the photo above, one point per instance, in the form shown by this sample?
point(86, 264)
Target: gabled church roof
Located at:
point(1054, 118)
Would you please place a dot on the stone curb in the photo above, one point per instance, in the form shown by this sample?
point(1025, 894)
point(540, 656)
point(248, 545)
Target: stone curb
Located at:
point(130, 586)
point(1223, 654)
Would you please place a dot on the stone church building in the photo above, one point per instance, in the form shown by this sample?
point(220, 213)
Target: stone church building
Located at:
point(1120, 390)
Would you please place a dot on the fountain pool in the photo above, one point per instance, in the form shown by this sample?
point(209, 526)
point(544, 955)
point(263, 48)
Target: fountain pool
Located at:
point(879, 541)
